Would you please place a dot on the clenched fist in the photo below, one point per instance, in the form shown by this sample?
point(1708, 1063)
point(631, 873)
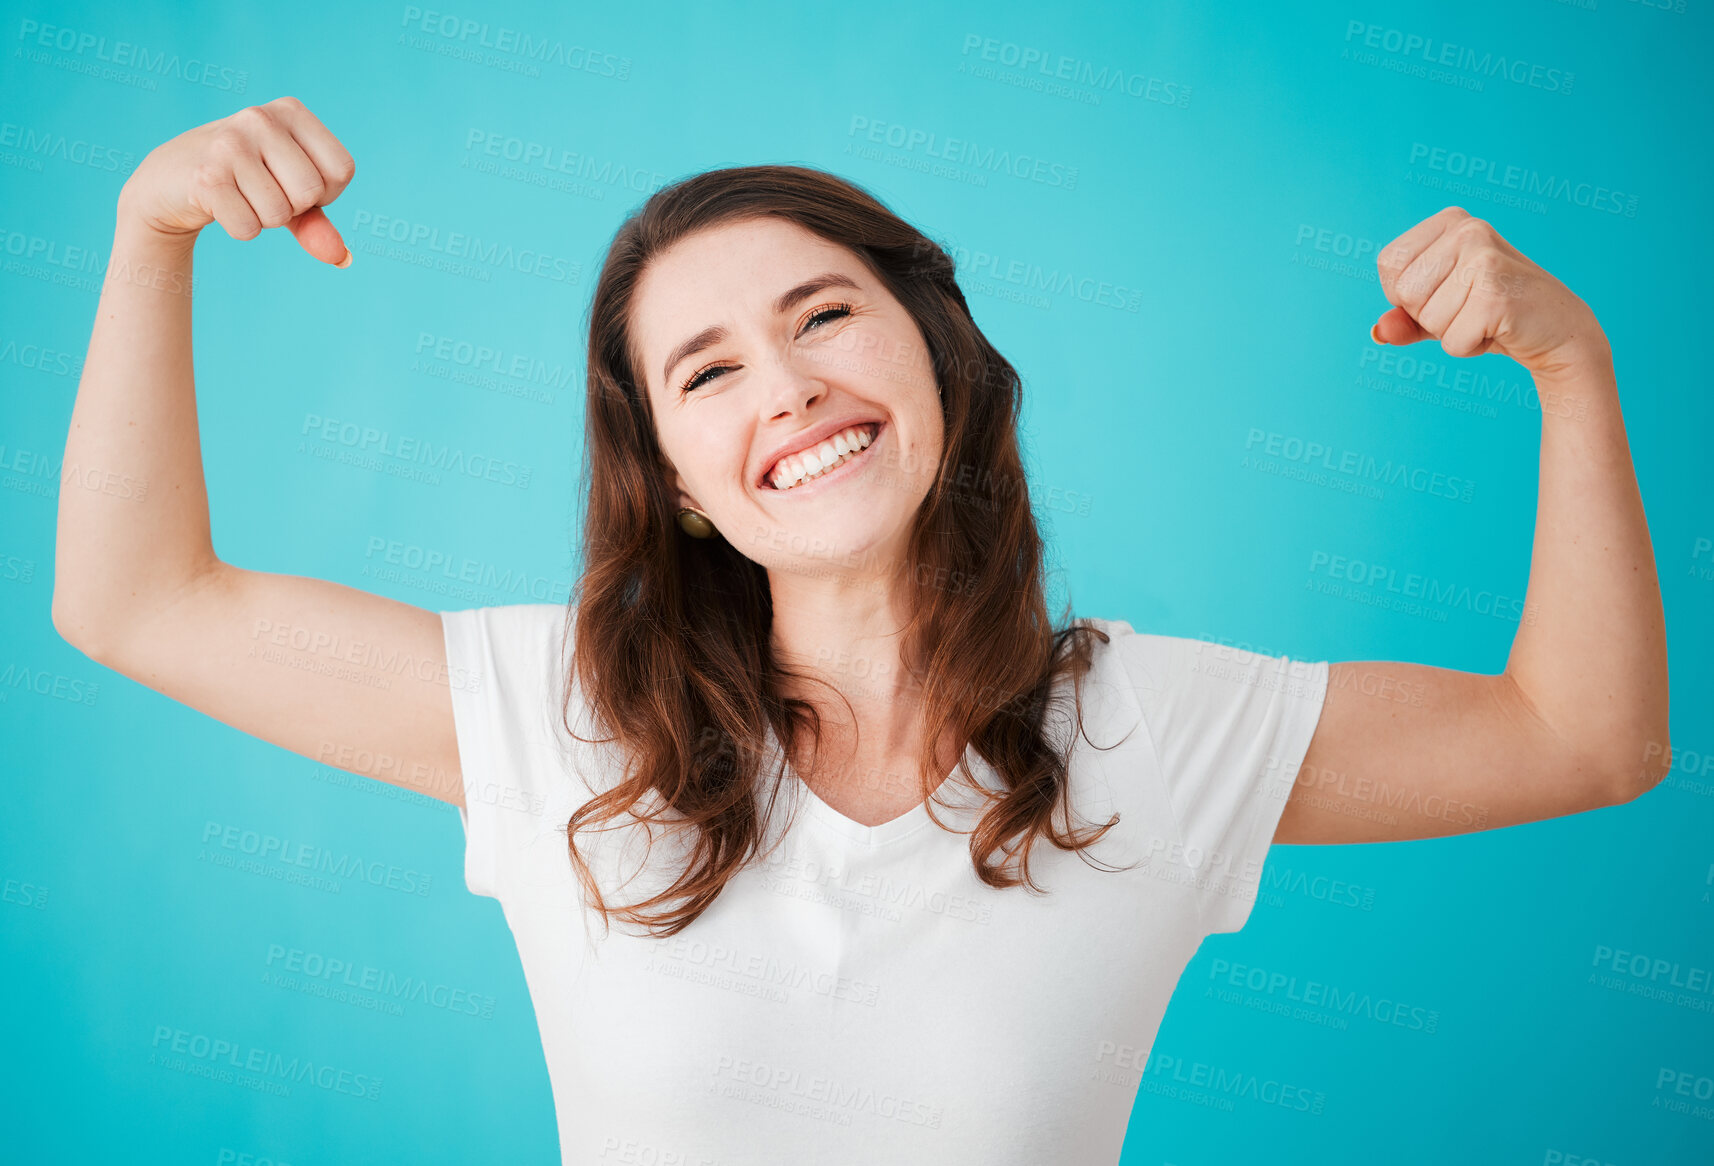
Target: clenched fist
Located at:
point(270, 165)
point(1453, 279)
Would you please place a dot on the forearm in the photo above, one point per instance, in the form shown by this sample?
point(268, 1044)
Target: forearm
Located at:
point(133, 508)
point(1590, 653)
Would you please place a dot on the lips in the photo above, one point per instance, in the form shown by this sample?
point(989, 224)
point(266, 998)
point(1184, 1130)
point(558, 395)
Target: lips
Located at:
point(814, 439)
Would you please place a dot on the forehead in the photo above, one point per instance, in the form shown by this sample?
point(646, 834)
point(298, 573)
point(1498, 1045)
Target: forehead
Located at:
point(725, 275)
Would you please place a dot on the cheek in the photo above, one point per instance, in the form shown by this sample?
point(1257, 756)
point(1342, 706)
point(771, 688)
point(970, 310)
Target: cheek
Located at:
point(716, 458)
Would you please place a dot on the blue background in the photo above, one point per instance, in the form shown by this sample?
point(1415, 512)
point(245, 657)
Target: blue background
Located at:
point(1241, 199)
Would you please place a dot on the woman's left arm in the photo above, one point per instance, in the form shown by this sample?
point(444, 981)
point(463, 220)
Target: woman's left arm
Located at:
point(1578, 719)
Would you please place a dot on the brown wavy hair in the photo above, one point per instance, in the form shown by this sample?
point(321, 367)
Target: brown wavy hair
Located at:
point(672, 633)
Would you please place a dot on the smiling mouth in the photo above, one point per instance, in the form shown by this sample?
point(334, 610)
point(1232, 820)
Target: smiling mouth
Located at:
point(801, 469)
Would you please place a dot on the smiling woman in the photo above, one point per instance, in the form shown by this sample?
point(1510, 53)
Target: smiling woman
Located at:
point(841, 811)
point(810, 420)
point(819, 839)
point(795, 436)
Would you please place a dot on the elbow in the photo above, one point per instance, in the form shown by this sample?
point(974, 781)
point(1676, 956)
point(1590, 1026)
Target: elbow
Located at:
point(73, 628)
point(1641, 768)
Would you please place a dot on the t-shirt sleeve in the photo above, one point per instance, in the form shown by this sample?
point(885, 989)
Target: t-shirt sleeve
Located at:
point(1230, 728)
point(505, 671)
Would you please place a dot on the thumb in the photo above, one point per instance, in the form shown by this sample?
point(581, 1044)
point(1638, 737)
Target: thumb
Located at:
point(320, 237)
point(1396, 327)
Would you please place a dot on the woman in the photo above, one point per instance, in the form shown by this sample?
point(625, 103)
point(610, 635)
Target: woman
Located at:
point(765, 805)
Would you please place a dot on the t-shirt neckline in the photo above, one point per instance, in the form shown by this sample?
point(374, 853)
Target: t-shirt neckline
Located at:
point(893, 829)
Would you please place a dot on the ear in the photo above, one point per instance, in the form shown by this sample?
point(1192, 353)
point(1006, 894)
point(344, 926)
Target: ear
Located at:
point(679, 488)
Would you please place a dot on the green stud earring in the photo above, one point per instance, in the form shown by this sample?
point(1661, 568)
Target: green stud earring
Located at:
point(694, 522)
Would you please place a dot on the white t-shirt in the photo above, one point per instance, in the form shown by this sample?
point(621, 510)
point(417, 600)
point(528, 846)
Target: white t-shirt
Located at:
point(860, 996)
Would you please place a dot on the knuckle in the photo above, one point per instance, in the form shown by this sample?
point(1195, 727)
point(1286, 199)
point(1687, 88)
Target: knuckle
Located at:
point(228, 142)
point(1468, 342)
point(288, 102)
point(276, 214)
point(211, 172)
point(308, 197)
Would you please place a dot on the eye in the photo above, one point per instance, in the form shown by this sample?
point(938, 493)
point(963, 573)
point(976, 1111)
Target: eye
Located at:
point(703, 376)
point(832, 310)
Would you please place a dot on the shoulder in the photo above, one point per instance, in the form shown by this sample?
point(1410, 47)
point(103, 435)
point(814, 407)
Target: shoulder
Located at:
point(507, 642)
point(1162, 672)
point(1137, 661)
point(516, 624)
point(508, 667)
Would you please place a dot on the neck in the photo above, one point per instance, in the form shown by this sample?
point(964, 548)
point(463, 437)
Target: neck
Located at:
point(844, 625)
point(846, 630)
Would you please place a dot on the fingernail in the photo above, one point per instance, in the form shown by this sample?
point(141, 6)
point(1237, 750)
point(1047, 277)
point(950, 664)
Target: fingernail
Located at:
point(1374, 335)
point(346, 262)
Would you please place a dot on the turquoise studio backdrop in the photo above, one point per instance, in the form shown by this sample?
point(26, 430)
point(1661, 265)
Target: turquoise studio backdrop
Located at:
point(1167, 217)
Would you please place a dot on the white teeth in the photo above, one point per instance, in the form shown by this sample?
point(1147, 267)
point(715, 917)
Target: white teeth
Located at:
point(812, 463)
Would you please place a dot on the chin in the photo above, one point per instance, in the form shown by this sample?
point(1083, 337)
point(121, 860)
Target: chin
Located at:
point(839, 535)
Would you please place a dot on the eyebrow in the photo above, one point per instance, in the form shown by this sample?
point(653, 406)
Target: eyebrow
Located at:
point(788, 300)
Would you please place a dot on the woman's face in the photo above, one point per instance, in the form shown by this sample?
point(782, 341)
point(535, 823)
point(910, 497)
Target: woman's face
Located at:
point(759, 338)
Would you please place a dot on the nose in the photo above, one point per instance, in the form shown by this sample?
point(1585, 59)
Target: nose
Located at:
point(791, 383)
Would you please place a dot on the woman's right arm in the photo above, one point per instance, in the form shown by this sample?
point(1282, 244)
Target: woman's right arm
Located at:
point(352, 679)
